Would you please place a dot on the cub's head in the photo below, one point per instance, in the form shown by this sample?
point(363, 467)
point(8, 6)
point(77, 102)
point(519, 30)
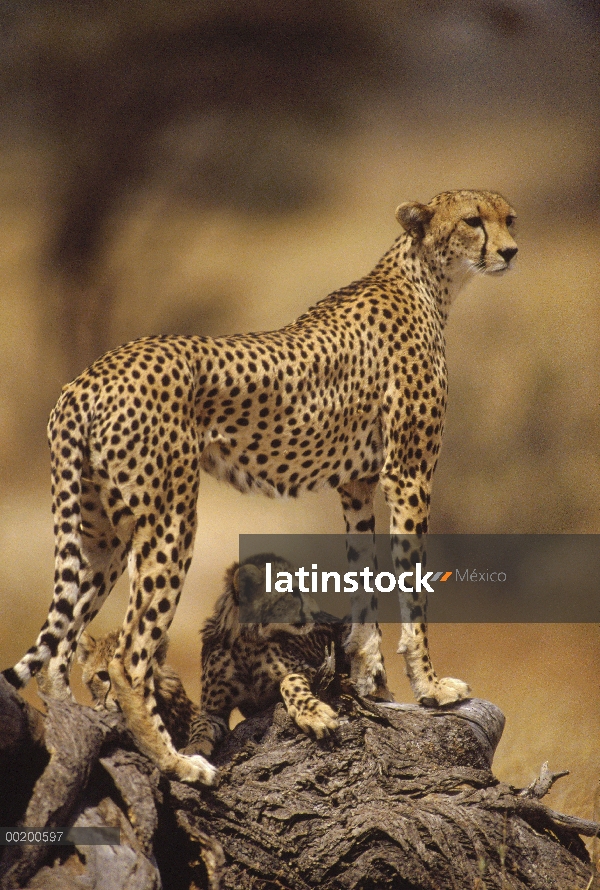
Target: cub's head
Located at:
point(283, 607)
point(95, 656)
point(462, 231)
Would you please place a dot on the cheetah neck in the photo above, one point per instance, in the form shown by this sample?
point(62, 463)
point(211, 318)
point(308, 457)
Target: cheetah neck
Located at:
point(438, 278)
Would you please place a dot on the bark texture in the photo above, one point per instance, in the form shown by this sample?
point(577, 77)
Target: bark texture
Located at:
point(401, 797)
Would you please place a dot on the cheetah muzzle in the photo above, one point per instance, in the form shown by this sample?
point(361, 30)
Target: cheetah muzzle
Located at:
point(350, 395)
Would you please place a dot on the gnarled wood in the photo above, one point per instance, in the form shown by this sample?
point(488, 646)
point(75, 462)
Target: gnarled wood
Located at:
point(20, 724)
point(400, 797)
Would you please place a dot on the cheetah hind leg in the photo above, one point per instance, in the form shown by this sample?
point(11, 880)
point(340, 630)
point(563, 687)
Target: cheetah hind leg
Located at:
point(97, 578)
point(137, 711)
point(89, 560)
point(309, 713)
point(206, 731)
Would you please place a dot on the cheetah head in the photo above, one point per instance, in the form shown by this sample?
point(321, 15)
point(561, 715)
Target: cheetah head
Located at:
point(293, 611)
point(462, 232)
point(95, 656)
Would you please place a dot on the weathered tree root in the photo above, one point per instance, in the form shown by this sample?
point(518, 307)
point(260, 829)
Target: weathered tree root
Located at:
point(400, 797)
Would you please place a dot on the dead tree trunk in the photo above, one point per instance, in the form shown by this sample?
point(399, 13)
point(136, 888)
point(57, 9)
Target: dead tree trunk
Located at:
point(401, 797)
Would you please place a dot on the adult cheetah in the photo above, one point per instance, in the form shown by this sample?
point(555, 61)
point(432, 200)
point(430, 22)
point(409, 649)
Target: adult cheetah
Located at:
point(351, 394)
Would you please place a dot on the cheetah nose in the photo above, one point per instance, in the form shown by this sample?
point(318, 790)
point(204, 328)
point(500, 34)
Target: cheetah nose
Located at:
point(507, 253)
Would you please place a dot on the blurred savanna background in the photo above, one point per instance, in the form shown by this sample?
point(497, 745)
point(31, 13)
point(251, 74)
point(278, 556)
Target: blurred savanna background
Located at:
point(212, 168)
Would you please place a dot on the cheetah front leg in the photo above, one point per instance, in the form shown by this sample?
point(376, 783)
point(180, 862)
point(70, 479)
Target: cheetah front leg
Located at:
point(428, 688)
point(363, 645)
point(308, 712)
point(408, 499)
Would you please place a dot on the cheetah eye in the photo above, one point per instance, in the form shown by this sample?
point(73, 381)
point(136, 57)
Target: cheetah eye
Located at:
point(510, 220)
point(473, 221)
point(103, 676)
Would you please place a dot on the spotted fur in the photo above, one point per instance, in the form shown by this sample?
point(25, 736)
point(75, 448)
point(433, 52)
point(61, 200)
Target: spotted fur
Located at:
point(244, 666)
point(175, 708)
point(351, 394)
point(249, 666)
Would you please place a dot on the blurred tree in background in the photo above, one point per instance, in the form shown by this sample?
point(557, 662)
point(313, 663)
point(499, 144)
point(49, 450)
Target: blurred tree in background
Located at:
point(225, 105)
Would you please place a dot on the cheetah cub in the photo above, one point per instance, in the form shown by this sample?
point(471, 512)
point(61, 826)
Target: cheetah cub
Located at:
point(349, 396)
point(249, 666)
point(176, 710)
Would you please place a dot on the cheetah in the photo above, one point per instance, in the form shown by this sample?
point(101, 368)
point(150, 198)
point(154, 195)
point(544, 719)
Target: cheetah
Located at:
point(177, 711)
point(351, 394)
point(249, 666)
point(243, 666)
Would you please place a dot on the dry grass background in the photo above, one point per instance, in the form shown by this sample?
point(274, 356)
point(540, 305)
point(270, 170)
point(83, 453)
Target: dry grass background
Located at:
point(237, 215)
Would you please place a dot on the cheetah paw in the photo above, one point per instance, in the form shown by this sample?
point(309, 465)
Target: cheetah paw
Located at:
point(446, 691)
point(367, 671)
point(319, 721)
point(195, 768)
point(203, 748)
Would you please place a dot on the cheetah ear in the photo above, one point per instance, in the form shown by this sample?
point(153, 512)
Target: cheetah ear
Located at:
point(246, 581)
point(413, 217)
point(85, 647)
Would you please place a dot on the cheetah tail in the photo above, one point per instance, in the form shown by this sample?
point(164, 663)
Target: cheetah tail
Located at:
point(68, 430)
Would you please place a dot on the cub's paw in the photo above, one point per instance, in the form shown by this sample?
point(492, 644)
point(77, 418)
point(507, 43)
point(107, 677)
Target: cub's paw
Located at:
point(444, 692)
point(206, 731)
point(203, 747)
point(315, 718)
point(195, 768)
